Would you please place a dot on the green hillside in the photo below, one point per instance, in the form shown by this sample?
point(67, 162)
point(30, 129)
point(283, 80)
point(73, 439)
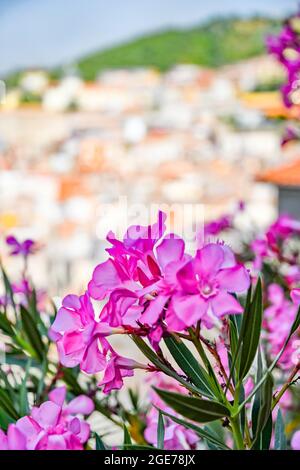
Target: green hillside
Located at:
point(217, 42)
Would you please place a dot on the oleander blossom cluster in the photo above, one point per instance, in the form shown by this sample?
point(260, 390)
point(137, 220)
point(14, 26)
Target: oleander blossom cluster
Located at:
point(149, 286)
point(286, 48)
point(278, 318)
point(53, 425)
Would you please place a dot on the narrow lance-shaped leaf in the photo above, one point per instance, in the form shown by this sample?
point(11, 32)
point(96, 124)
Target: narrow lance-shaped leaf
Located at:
point(190, 366)
point(32, 333)
point(8, 288)
point(258, 396)
point(7, 406)
point(150, 354)
point(264, 410)
point(235, 355)
point(280, 437)
point(99, 443)
point(203, 433)
point(251, 331)
point(126, 439)
point(160, 431)
point(193, 408)
point(24, 406)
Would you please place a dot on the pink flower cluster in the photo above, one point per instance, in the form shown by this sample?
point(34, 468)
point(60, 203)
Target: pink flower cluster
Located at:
point(278, 319)
point(24, 248)
point(51, 426)
point(149, 285)
point(176, 436)
point(286, 48)
point(272, 245)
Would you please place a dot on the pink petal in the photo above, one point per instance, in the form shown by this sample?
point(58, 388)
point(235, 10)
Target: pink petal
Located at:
point(209, 260)
point(170, 249)
point(93, 360)
point(105, 279)
point(56, 442)
point(189, 308)
point(47, 414)
point(15, 438)
point(234, 279)
point(295, 442)
point(71, 301)
point(58, 395)
point(3, 441)
point(224, 303)
point(295, 295)
point(66, 320)
point(81, 404)
point(187, 279)
point(28, 426)
point(75, 426)
point(85, 431)
point(73, 343)
point(154, 310)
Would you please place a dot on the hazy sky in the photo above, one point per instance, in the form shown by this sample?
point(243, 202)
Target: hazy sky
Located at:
point(49, 32)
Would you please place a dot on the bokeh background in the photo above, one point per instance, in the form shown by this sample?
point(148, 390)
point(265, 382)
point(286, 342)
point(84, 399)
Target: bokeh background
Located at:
point(160, 102)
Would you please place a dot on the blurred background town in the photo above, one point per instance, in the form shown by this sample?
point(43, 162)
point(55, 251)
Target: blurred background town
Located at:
point(159, 104)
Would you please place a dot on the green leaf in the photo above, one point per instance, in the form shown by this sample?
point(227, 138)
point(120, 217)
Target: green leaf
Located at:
point(189, 365)
point(24, 406)
point(196, 409)
point(251, 328)
point(6, 326)
point(266, 434)
point(239, 326)
point(5, 420)
point(99, 443)
point(264, 412)
point(150, 354)
point(258, 395)
point(8, 288)
point(32, 333)
point(160, 431)
point(203, 433)
point(280, 437)
point(7, 405)
point(126, 439)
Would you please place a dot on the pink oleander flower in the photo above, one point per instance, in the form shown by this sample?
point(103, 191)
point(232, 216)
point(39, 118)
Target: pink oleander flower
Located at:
point(278, 319)
point(205, 285)
point(80, 340)
point(78, 335)
point(270, 247)
point(25, 248)
point(215, 227)
point(295, 295)
point(51, 426)
point(149, 285)
point(295, 441)
point(176, 437)
point(161, 282)
point(117, 367)
point(286, 48)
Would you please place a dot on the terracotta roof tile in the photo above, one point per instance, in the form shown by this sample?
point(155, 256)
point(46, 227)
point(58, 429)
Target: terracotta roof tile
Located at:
point(286, 175)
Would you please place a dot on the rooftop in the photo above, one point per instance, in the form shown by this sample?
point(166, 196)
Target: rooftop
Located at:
point(285, 175)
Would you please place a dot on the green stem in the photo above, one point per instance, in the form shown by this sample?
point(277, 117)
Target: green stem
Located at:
point(286, 385)
point(237, 435)
point(198, 345)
